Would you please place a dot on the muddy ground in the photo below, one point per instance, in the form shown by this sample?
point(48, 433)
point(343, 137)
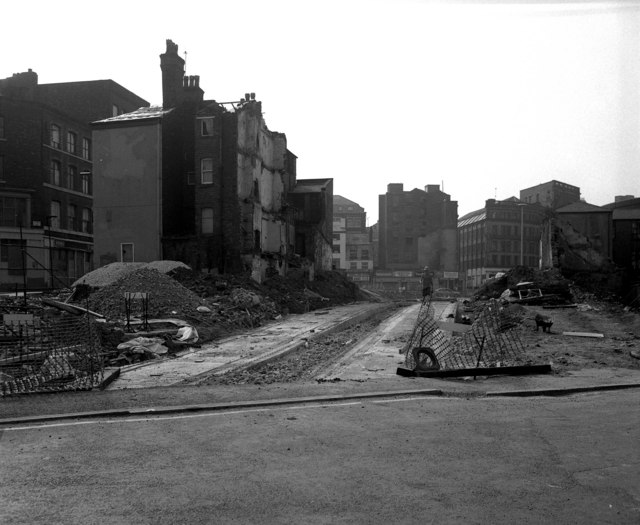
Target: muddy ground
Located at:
point(621, 331)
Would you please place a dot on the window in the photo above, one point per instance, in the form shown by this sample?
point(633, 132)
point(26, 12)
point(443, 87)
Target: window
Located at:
point(206, 171)
point(353, 266)
point(13, 211)
point(364, 254)
point(54, 215)
point(336, 248)
point(115, 111)
point(86, 220)
point(353, 252)
point(354, 222)
point(12, 254)
point(55, 136)
point(206, 126)
point(54, 173)
point(365, 265)
point(126, 252)
point(207, 220)
point(336, 236)
point(86, 148)
point(71, 217)
point(86, 182)
point(72, 175)
point(71, 142)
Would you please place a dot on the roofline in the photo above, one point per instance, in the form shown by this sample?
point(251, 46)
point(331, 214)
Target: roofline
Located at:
point(104, 80)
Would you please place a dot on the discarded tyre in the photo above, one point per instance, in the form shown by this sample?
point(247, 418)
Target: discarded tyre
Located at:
point(425, 359)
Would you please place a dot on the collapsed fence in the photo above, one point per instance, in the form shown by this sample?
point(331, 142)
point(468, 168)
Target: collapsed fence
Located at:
point(492, 341)
point(49, 354)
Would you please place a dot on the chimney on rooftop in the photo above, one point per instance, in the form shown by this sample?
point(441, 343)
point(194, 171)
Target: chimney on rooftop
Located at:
point(172, 66)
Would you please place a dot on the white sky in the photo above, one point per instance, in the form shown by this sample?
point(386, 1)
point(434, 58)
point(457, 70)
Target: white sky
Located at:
point(485, 97)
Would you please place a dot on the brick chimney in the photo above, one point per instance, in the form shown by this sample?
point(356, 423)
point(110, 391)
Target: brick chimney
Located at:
point(172, 66)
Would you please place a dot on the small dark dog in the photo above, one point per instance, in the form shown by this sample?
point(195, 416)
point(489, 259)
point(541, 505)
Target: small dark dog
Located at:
point(544, 321)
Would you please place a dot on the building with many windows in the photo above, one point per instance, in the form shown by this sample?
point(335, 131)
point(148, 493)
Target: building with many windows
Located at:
point(352, 247)
point(498, 237)
point(46, 169)
point(206, 183)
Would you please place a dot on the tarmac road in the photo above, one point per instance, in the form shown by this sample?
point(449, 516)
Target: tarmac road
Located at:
point(394, 460)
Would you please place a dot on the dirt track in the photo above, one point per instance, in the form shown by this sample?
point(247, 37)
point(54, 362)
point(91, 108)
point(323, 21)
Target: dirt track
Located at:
point(565, 353)
point(621, 332)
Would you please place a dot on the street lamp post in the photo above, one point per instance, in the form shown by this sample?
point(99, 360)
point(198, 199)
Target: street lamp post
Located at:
point(521, 234)
point(49, 217)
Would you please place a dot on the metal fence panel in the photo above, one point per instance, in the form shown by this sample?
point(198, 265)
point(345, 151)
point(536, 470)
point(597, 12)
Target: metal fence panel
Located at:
point(494, 339)
point(56, 353)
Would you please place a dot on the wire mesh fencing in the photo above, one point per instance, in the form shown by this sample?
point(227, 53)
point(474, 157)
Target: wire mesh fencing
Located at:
point(493, 340)
point(51, 354)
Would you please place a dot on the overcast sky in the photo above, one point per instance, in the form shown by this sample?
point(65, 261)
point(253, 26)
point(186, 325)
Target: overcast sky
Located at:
point(486, 98)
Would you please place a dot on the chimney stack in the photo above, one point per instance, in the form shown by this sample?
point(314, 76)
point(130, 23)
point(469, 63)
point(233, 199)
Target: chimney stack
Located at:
point(172, 66)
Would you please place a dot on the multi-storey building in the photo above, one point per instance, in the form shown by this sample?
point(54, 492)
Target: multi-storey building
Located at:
point(46, 165)
point(417, 228)
point(552, 194)
point(498, 237)
point(205, 183)
point(352, 248)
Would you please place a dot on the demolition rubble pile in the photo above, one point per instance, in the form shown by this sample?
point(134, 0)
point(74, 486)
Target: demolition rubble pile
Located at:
point(213, 304)
point(551, 284)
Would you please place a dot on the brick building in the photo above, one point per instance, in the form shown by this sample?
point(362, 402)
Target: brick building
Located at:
point(219, 184)
point(313, 200)
point(552, 194)
point(625, 218)
point(417, 228)
point(46, 164)
point(498, 237)
point(352, 247)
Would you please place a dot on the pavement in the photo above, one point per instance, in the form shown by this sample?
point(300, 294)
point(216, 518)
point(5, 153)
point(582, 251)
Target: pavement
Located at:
point(367, 370)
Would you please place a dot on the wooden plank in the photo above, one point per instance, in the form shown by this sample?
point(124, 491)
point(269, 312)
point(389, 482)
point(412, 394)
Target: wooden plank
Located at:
point(463, 372)
point(70, 308)
point(583, 334)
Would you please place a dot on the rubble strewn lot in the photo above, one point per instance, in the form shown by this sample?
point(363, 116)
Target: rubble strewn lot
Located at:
point(620, 330)
point(216, 305)
point(586, 332)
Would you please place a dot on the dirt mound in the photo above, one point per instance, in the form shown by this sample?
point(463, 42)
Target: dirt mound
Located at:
point(167, 297)
point(219, 304)
point(291, 294)
point(110, 273)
